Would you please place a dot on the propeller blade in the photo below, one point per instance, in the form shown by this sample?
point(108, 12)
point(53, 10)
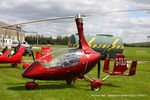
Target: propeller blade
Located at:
point(98, 68)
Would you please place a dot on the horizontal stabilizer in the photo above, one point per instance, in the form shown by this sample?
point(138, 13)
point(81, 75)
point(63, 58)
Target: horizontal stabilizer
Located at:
point(106, 65)
point(120, 66)
point(37, 55)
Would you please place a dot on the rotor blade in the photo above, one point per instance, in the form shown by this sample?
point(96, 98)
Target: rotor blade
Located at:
point(86, 15)
point(127, 10)
point(49, 19)
point(98, 68)
point(37, 21)
point(70, 17)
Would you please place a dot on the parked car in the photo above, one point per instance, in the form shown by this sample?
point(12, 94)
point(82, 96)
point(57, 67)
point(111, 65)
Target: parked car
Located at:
point(15, 44)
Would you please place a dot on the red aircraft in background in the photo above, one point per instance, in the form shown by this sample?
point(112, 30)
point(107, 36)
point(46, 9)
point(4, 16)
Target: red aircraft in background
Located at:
point(15, 58)
point(41, 58)
point(4, 52)
point(74, 64)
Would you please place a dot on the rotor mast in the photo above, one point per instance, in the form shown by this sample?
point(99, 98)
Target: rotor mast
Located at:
point(82, 42)
point(18, 28)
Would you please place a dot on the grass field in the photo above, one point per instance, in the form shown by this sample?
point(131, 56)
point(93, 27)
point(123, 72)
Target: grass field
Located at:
point(116, 87)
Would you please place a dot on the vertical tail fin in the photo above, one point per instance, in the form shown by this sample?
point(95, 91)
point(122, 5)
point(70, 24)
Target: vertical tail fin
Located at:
point(133, 68)
point(45, 51)
point(120, 65)
point(37, 55)
point(106, 65)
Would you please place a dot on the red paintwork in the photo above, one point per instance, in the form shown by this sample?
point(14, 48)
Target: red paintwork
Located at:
point(106, 65)
point(97, 84)
point(15, 58)
point(31, 85)
point(37, 55)
point(25, 65)
point(133, 68)
point(5, 54)
point(120, 66)
point(45, 51)
point(88, 60)
point(38, 71)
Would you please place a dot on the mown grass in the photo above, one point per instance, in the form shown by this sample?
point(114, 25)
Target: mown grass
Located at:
point(116, 87)
point(137, 53)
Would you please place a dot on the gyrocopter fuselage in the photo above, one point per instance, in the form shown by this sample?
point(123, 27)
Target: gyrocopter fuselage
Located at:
point(73, 64)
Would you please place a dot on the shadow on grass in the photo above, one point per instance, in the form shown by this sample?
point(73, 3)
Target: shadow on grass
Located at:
point(8, 66)
point(43, 87)
point(146, 70)
point(110, 85)
point(106, 85)
point(54, 85)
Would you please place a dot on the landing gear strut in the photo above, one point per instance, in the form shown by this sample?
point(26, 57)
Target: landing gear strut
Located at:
point(95, 84)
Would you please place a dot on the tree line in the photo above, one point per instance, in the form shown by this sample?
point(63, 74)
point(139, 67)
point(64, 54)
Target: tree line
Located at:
point(142, 44)
point(47, 40)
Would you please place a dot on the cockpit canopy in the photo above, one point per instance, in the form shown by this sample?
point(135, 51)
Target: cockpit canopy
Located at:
point(62, 58)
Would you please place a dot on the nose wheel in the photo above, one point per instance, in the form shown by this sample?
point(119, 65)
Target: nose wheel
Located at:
point(95, 84)
point(31, 85)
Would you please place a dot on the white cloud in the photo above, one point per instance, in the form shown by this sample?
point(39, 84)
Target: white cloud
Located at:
point(132, 27)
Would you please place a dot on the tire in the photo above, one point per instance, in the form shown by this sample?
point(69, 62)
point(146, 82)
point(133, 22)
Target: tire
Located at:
point(31, 85)
point(14, 65)
point(96, 85)
point(95, 89)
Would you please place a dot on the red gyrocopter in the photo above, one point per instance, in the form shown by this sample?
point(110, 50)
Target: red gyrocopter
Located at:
point(15, 58)
point(75, 63)
point(4, 52)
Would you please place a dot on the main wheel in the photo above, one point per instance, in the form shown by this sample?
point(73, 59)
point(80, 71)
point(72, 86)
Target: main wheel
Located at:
point(70, 82)
point(14, 65)
point(31, 85)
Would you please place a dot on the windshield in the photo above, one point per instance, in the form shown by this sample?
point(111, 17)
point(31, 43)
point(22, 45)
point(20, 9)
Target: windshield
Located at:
point(62, 58)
